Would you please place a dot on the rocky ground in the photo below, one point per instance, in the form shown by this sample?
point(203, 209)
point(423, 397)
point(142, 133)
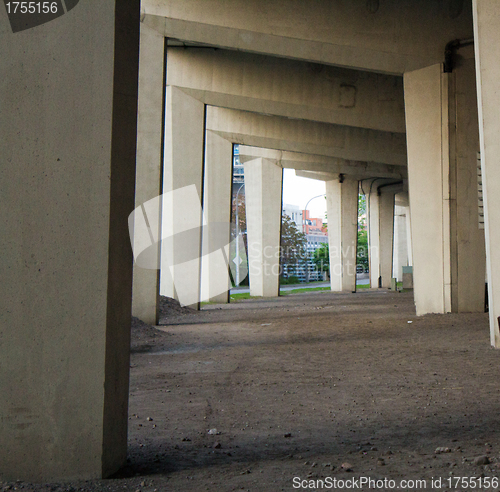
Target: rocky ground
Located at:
point(272, 395)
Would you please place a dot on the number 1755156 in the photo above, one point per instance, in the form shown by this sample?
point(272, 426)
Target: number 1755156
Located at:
point(32, 7)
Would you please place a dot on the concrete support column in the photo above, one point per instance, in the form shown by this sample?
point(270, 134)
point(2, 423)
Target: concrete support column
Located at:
point(426, 100)
point(372, 206)
point(263, 195)
point(182, 211)
point(386, 230)
point(146, 285)
point(442, 136)
point(487, 42)
point(217, 213)
point(342, 211)
point(68, 147)
point(380, 237)
point(400, 246)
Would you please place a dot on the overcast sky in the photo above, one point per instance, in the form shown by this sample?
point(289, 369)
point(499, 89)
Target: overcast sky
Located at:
point(298, 191)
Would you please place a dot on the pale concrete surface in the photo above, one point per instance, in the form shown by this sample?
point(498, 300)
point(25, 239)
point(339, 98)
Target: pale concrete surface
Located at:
point(487, 41)
point(263, 197)
point(320, 164)
point(183, 166)
point(342, 206)
point(309, 137)
point(288, 88)
point(68, 152)
point(373, 212)
point(469, 280)
point(146, 284)
point(400, 246)
point(215, 282)
point(426, 100)
point(392, 37)
point(386, 231)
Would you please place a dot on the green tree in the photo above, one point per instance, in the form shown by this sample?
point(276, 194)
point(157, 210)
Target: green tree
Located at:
point(321, 258)
point(293, 251)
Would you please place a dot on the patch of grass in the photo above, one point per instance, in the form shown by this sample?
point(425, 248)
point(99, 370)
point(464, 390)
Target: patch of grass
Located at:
point(301, 291)
point(243, 295)
point(363, 286)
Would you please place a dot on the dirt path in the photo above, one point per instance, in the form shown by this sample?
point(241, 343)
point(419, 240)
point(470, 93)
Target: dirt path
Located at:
point(299, 385)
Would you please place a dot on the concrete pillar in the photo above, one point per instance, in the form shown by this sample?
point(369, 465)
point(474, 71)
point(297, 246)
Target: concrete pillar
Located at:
point(183, 167)
point(400, 248)
point(487, 41)
point(68, 147)
point(426, 100)
point(386, 230)
point(442, 138)
point(146, 285)
point(380, 237)
point(342, 212)
point(372, 206)
point(263, 195)
point(217, 214)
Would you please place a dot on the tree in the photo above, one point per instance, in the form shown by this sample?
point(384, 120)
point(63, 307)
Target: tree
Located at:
point(321, 258)
point(362, 251)
point(293, 251)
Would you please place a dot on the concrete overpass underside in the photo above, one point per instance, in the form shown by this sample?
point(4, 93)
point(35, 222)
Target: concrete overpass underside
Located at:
point(343, 89)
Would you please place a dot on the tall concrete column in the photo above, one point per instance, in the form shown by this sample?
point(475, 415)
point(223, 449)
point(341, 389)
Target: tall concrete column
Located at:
point(487, 42)
point(183, 167)
point(400, 247)
point(342, 211)
point(386, 230)
point(263, 195)
point(217, 212)
point(373, 209)
point(380, 237)
point(146, 285)
point(442, 136)
point(426, 100)
point(68, 147)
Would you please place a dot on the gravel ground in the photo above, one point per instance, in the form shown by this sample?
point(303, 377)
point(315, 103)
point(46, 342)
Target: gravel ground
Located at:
point(317, 386)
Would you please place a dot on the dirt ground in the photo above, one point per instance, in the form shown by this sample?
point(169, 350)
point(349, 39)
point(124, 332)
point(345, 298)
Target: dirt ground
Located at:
point(269, 395)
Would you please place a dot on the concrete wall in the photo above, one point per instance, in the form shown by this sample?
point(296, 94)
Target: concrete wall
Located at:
point(392, 36)
point(282, 87)
point(68, 146)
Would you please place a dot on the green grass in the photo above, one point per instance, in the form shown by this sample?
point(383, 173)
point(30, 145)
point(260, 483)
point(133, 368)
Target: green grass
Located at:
point(364, 286)
point(301, 291)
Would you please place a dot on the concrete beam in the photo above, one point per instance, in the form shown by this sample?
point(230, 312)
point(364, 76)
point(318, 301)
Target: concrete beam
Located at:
point(68, 147)
point(288, 88)
point(323, 164)
point(307, 137)
point(372, 36)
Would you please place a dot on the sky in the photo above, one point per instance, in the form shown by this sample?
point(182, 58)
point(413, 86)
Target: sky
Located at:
point(298, 191)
